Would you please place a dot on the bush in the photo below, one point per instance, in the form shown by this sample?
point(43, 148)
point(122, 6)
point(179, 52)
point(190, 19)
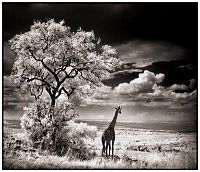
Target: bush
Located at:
point(59, 135)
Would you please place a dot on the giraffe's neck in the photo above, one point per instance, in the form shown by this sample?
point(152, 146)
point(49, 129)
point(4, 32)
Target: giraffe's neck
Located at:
point(113, 122)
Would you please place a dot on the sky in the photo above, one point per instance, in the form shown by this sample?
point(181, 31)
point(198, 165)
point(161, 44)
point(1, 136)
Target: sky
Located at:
point(157, 43)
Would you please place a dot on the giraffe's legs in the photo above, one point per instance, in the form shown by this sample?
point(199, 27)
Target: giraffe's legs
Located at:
point(103, 149)
point(112, 147)
point(109, 148)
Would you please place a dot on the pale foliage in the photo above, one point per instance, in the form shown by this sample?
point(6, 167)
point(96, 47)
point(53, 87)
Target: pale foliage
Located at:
point(51, 57)
point(60, 134)
point(52, 60)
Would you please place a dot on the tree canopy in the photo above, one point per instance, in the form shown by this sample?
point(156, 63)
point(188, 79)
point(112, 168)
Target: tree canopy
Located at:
point(52, 58)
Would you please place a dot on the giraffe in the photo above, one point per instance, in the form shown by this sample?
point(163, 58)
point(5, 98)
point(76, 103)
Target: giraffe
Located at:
point(109, 134)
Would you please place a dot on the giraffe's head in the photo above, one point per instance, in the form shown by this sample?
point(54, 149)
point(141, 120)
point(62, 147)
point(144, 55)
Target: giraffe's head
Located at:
point(118, 109)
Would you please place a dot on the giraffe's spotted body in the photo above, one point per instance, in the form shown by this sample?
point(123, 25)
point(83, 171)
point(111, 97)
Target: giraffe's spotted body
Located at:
point(108, 136)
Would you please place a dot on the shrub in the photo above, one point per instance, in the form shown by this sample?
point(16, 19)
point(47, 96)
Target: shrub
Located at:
point(59, 135)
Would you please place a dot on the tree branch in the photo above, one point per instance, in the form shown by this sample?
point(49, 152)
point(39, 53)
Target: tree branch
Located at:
point(64, 65)
point(48, 89)
point(35, 78)
point(33, 94)
point(69, 93)
point(45, 66)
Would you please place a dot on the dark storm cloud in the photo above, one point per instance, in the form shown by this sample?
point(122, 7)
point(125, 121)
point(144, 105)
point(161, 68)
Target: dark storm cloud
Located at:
point(155, 25)
point(8, 59)
point(144, 53)
point(173, 73)
point(102, 18)
point(115, 23)
point(189, 66)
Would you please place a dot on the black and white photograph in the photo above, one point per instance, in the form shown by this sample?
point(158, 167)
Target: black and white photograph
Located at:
point(99, 85)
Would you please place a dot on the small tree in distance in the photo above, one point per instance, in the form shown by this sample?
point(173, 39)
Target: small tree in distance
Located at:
point(52, 58)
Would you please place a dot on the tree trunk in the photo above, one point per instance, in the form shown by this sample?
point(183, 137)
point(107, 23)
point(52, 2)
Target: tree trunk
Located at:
point(54, 125)
point(51, 110)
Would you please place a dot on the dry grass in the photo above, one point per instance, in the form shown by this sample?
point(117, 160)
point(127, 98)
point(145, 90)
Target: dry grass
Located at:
point(178, 151)
point(141, 161)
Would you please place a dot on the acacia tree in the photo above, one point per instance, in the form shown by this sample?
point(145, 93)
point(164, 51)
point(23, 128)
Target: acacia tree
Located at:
point(52, 58)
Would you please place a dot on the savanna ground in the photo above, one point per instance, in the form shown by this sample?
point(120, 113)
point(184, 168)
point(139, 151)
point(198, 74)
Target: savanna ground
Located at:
point(134, 149)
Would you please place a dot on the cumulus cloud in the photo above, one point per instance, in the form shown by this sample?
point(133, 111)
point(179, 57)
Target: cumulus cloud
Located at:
point(143, 84)
point(185, 95)
point(170, 94)
point(175, 87)
point(145, 91)
point(144, 53)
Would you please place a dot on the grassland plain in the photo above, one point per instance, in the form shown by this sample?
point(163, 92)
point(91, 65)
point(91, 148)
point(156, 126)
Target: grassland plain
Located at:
point(134, 149)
